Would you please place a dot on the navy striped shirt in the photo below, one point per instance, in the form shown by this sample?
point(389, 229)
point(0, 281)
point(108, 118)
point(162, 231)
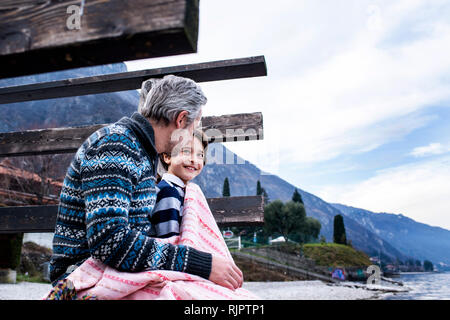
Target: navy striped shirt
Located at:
point(167, 213)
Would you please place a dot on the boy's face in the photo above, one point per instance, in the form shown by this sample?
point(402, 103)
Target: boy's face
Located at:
point(187, 162)
point(179, 132)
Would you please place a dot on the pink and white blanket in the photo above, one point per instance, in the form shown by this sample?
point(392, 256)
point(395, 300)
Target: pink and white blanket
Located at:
point(199, 230)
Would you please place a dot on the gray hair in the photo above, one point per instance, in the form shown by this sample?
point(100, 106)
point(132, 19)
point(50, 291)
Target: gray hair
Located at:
point(163, 99)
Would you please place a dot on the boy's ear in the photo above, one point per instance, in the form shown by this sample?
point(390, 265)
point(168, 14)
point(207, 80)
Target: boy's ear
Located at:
point(166, 158)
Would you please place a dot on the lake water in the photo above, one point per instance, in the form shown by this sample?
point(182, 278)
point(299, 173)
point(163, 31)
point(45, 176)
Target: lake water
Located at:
point(424, 286)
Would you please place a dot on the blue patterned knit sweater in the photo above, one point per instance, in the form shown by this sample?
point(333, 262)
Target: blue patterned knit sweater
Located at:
point(107, 196)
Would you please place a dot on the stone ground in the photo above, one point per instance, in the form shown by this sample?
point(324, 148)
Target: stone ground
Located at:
point(289, 290)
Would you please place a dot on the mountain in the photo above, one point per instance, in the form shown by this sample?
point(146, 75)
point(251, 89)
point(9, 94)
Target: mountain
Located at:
point(64, 112)
point(70, 111)
point(413, 238)
point(243, 177)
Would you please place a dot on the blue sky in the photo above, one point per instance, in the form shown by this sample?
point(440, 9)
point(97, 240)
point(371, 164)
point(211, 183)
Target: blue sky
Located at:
point(356, 103)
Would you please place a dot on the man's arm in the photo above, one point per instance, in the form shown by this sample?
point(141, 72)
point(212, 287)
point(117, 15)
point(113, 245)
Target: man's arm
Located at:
point(109, 170)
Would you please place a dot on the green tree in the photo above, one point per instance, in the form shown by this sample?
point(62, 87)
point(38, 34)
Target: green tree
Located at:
point(313, 228)
point(284, 218)
point(259, 189)
point(428, 265)
point(308, 232)
point(226, 188)
point(266, 197)
point(339, 235)
point(296, 197)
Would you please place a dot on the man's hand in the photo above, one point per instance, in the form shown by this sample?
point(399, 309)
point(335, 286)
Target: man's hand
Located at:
point(225, 273)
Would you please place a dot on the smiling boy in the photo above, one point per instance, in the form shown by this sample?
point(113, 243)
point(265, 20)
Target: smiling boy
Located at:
point(184, 163)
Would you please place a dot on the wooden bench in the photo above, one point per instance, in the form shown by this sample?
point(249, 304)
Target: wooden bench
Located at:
point(237, 127)
point(34, 38)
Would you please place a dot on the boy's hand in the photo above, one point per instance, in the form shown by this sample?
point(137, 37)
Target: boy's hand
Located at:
point(225, 273)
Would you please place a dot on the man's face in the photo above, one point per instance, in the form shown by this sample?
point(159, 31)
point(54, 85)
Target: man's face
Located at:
point(185, 134)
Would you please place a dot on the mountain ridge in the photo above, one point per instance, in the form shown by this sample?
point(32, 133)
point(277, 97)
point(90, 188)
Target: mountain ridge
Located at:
point(406, 231)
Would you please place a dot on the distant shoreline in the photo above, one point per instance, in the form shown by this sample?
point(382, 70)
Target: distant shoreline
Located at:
point(424, 272)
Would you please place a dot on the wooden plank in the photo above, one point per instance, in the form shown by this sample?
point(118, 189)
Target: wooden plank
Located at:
point(235, 127)
point(28, 219)
point(230, 211)
point(38, 36)
point(199, 72)
point(238, 211)
point(16, 195)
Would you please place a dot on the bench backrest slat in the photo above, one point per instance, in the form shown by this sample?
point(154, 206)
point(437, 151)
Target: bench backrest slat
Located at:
point(199, 72)
point(234, 127)
point(229, 211)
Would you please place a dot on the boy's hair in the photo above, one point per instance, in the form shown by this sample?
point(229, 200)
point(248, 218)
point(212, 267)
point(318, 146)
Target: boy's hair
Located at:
point(201, 136)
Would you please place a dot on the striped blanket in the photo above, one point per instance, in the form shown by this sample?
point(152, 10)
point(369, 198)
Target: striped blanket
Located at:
point(199, 230)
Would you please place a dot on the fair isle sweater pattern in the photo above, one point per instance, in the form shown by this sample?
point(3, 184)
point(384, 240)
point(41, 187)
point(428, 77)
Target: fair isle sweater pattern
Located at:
point(107, 196)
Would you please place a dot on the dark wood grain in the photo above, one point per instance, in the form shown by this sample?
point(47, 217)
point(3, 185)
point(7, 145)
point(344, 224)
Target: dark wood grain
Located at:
point(226, 128)
point(238, 211)
point(35, 38)
point(230, 211)
point(199, 72)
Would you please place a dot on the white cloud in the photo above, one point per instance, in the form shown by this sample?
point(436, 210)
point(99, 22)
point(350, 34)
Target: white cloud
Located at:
point(342, 79)
point(431, 149)
point(419, 190)
point(333, 86)
point(358, 96)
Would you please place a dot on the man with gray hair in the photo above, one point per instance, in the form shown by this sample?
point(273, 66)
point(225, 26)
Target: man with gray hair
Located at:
point(110, 190)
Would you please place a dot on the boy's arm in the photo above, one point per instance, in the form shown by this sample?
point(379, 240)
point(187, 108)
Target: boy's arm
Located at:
point(108, 171)
point(166, 214)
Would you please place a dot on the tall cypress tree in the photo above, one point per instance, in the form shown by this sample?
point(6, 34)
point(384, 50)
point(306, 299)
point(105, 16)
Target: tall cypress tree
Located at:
point(259, 190)
point(266, 196)
point(226, 188)
point(297, 197)
point(339, 235)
